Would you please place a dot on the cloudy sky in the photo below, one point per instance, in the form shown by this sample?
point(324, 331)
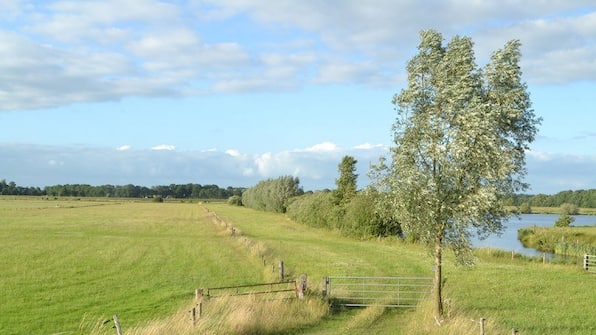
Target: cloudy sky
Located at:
point(231, 92)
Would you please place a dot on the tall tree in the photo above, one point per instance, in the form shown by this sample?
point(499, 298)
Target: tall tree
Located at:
point(346, 183)
point(460, 139)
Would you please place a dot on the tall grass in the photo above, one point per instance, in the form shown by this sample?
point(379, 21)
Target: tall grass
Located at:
point(235, 315)
point(572, 241)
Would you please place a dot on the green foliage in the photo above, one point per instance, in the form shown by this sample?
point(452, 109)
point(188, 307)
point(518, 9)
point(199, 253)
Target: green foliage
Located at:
point(564, 220)
point(580, 198)
point(346, 183)
point(157, 199)
point(569, 209)
point(360, 217)
point(235, 200)
point(272, 195)
point(525, 208)
point(460, 139)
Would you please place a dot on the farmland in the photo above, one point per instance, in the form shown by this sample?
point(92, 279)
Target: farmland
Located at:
point(68, 265)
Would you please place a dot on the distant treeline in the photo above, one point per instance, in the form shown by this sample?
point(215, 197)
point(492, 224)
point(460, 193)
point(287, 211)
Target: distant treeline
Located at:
point(580, 198)
point(181, 191)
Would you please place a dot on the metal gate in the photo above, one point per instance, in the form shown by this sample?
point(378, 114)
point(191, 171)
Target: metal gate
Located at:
point(590, 263)
point(393, 292)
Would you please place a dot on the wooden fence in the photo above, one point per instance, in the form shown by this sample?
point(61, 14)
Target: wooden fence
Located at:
point(261, 288)
point(392, 292)
point(590, 263)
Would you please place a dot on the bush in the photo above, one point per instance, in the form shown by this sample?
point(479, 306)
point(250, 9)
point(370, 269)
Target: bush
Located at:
point(235, 200)
point(525, 208)
point(157, 199)
point(569, 209)
point(564, 220)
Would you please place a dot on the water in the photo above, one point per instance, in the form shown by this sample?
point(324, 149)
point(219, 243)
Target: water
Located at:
point(508, 240)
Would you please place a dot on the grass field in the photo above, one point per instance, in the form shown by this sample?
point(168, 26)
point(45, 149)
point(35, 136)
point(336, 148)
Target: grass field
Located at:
point(67, 265)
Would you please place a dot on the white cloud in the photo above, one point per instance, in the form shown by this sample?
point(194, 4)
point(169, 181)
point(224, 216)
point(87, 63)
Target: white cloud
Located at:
point(46, 165)
point(323, 147)
point(234, 153)
point(368, 146)
point(164, 147)
point(65, 52)
point(125, 147)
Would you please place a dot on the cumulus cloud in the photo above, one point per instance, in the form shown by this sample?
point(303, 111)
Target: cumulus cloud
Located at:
point(35, 165)
point(64, 52)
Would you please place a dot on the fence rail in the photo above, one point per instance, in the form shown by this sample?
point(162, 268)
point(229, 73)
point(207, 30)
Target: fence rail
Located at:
point(261, 288)
point(392, 292)
point(590, 263)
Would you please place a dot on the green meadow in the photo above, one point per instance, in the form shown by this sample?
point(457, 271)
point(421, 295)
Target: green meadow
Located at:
point(67, 266)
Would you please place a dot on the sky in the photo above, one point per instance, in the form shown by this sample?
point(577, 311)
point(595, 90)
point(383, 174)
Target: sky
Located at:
point(232, 92)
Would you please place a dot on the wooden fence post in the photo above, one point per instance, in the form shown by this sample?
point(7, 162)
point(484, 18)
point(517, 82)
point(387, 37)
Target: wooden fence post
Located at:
point(193, 314)
point(324, 291)
point(482, 320)
point(302, 286)
point(586, 261)
point(281, 270)
point(513, 331)
point(117, 323)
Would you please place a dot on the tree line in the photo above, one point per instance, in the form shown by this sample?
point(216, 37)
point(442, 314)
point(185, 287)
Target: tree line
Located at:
point(579, 198)
point(354, 213)
point(180, 191)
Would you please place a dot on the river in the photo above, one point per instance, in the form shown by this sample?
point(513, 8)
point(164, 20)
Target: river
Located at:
point(508, 240)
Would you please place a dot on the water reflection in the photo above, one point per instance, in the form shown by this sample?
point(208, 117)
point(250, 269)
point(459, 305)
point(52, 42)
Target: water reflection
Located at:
point(508, 240)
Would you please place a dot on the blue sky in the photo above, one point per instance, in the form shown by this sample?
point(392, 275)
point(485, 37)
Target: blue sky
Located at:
point(232, 92)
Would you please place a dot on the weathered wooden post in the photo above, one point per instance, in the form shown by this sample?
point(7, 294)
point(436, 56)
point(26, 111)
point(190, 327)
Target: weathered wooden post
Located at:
point(544, 258)
point(199, 301)
point(482, 321)
point(281, 270)
point(117, 323)
point(302, 287)
point(513, 331)
point(193, 317)
point(325, 284)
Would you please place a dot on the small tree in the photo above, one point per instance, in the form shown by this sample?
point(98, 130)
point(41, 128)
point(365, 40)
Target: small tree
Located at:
point(346, 183)
point(564, 220)
point(460, 139)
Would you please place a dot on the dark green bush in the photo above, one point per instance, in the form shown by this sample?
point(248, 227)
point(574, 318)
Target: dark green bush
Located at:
point(235, 200)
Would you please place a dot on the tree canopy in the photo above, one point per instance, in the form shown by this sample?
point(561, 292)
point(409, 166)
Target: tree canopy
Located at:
point(346, 183)
point(460, 135)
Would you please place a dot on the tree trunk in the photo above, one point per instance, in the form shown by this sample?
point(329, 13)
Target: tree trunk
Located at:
point(438, 283)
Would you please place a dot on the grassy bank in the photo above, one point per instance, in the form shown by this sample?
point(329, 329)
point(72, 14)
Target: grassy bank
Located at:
point(557, 210)
point(510, 293)
point(571, 241)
